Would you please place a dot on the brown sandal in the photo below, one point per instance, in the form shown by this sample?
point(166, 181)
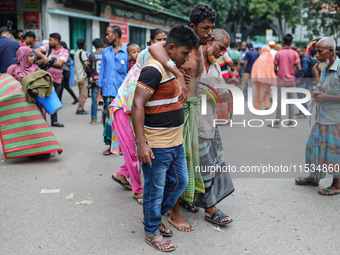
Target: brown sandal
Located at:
point(107, 152)
point(158, 241)
point(164, 231)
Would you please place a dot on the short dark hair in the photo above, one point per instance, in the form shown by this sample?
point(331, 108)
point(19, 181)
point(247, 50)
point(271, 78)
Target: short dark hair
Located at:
point(14, 33)
point(97, 43)
point(4, 30)
point(182, 35)
point(116, 29)
point(105, 41)
point(130, 45)
point(155, 32)
point(232, 45)
point(56, 36)
point(202, 12)
point(250, 45)
point(288, 39)
point(29, 34)
point(302, 47)
point(81, 43)
point(62, 43)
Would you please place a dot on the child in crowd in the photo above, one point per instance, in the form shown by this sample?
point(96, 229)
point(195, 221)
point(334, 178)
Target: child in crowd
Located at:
point(133, 51)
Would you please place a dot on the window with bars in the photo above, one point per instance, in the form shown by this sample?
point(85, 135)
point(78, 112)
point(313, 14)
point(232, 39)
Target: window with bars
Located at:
point(137, 35)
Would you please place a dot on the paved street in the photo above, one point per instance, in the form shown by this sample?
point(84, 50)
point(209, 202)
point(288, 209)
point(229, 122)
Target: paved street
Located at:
point(271, 214)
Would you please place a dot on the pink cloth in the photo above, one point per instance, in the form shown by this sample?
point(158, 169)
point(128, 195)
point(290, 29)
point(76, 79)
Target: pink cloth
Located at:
point(128, 146)
point(23, 67)
point(56, 73)
point(286, 59)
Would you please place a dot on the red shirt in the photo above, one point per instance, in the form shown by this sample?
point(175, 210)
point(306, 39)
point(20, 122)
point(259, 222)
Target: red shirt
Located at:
point(131, 64)
point(286, 59)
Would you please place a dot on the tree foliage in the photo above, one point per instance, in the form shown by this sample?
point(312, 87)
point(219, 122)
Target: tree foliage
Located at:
point(288, 11)
point(184, 7)
point(323, 18)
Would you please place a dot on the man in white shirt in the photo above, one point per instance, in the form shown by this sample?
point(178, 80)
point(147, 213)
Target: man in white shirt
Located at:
point(80, 61)
point(272, 45)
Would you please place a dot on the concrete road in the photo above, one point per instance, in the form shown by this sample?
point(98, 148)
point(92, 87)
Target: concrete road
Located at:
point(271, 214)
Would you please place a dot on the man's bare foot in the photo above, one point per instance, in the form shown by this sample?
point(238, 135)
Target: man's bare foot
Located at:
point(209, 212)
point(159, 243)
point(120, 179)
point(307, 181)
point(180, 224)
point(176, 220)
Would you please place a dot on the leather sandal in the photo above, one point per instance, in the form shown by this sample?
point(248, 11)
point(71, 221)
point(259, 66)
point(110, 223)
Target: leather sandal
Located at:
point(164, 231)
point(157, 241)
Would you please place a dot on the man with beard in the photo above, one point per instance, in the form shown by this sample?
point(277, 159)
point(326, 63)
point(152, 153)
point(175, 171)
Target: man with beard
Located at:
point(202, 21)
point(218, 184)
point(323, 144)
point(114, 67)
point(56, 71)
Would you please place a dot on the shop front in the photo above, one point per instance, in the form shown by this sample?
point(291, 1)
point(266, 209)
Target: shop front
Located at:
point(22, 14)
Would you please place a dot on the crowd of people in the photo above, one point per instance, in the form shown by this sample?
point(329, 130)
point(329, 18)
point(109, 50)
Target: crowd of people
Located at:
point(151, 107)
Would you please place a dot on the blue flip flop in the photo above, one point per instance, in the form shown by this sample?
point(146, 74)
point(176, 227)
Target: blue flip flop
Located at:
point(305, 182)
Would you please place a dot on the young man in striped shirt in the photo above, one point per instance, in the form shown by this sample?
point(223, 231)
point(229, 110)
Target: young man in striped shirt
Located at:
point(158, 118)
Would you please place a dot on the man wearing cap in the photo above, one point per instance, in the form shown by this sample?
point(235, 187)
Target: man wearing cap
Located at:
point(272, 45)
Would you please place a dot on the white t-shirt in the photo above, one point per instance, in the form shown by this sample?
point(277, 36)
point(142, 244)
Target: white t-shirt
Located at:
point(273, 52)
point(78, 66)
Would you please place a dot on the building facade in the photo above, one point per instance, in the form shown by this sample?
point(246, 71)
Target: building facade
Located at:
point(87, 19)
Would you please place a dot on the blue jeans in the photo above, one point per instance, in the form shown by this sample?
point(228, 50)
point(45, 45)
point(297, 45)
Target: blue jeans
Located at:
point(164, 182)
point(94, 93)
point(305, 85)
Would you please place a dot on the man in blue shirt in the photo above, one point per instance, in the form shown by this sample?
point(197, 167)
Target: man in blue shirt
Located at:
point(8, 50)
point(114, 67)
point(302, 80)
point(249, 60)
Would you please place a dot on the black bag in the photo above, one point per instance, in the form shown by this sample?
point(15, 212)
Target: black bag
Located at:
point(88, 71)
point(49, 63)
